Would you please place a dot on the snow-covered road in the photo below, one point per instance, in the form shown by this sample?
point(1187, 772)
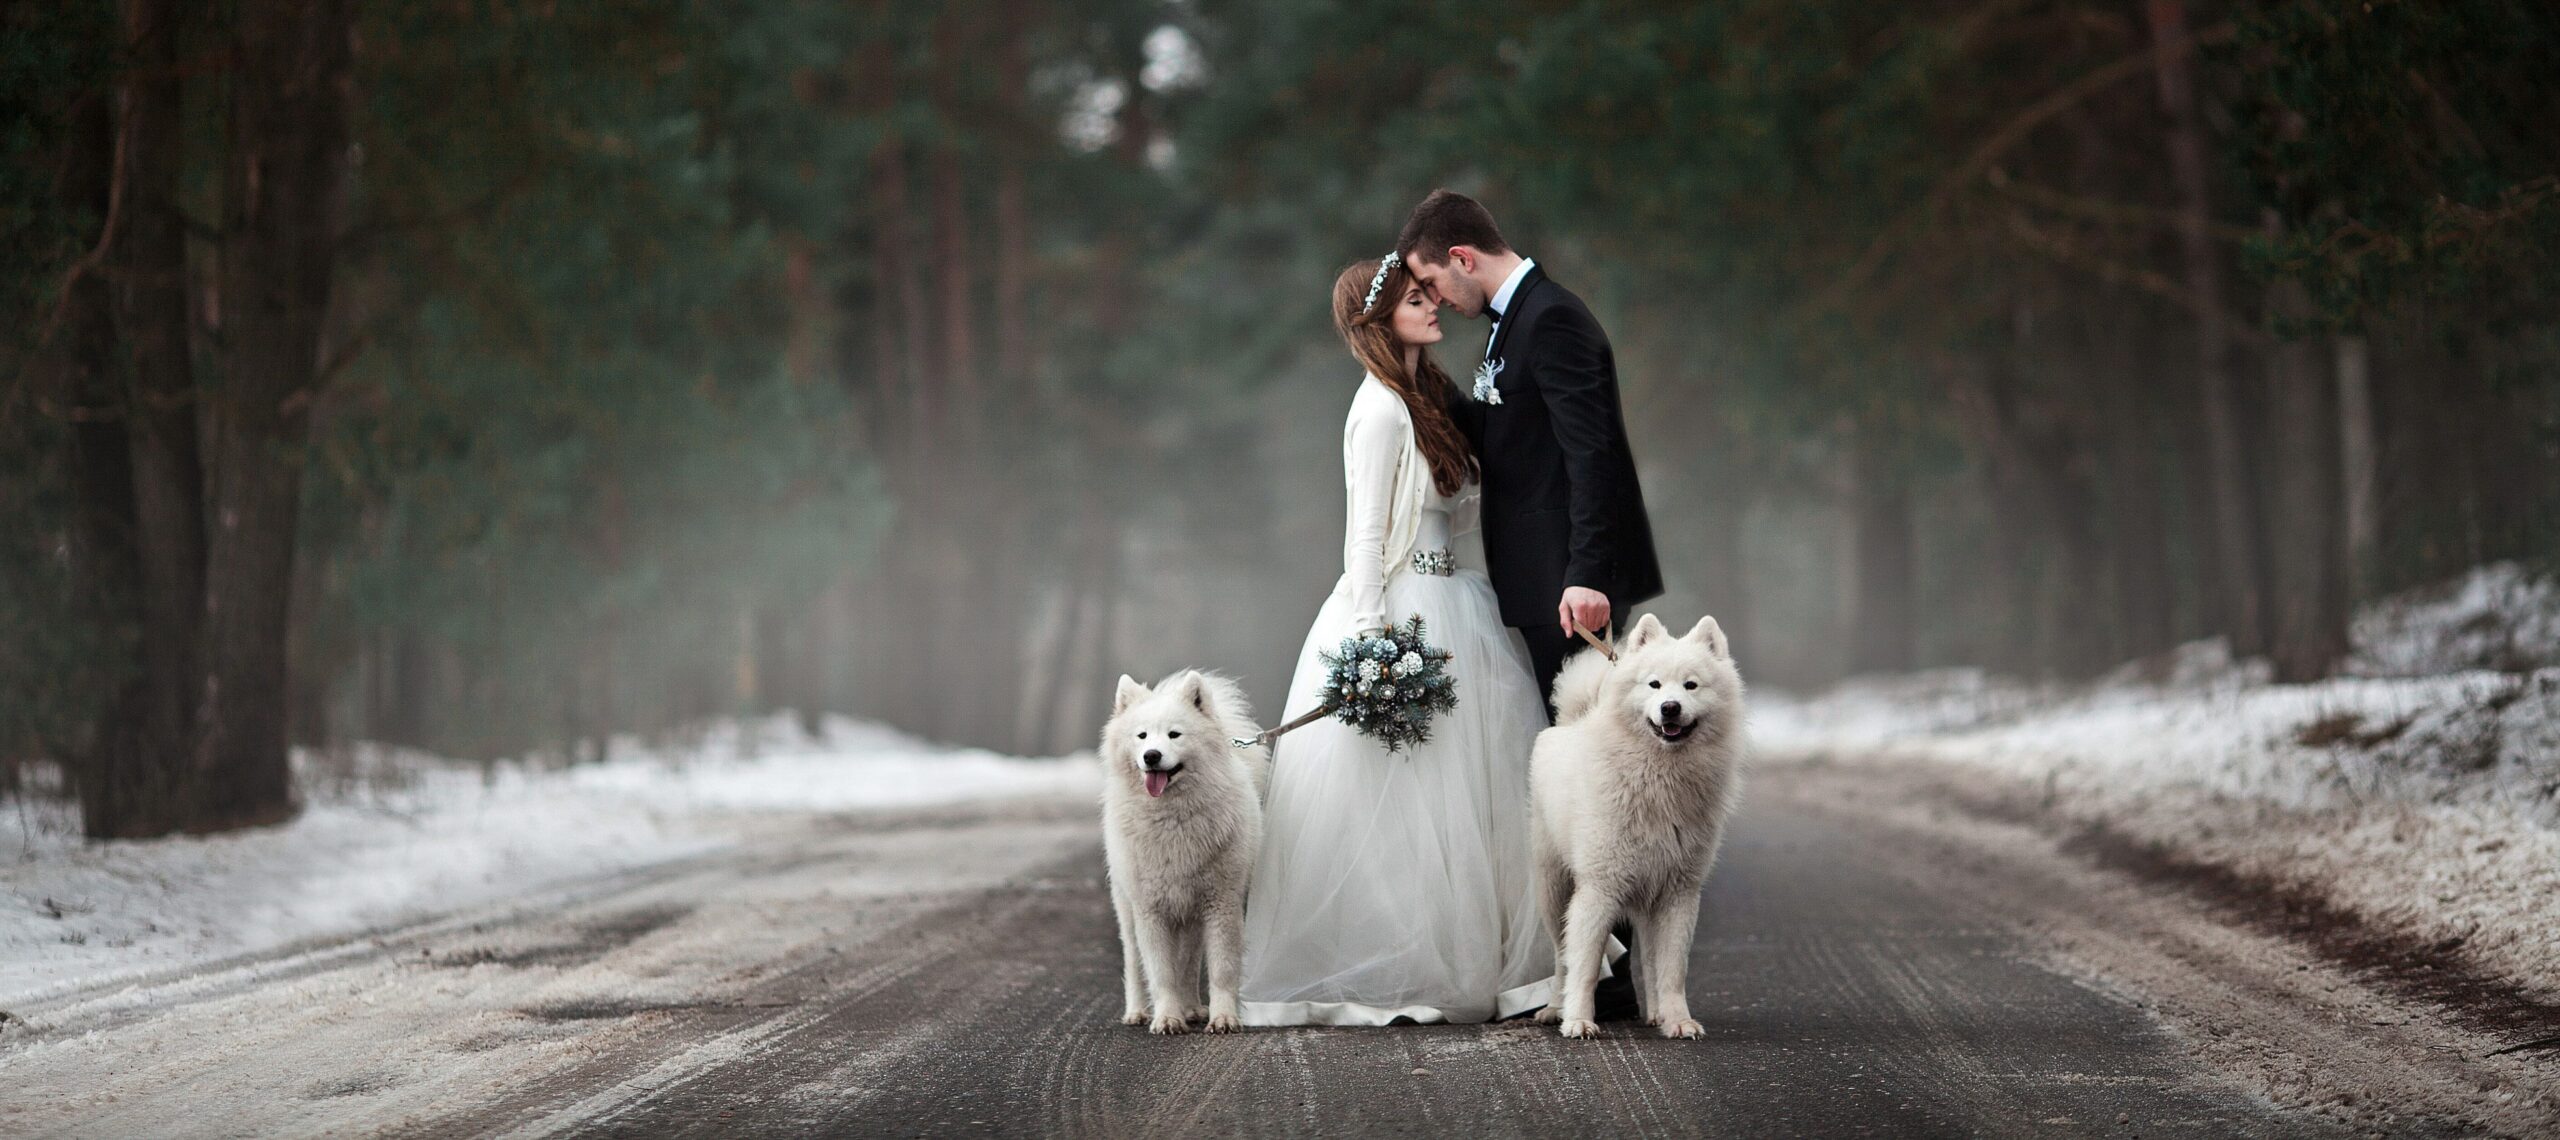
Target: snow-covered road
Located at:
point(389, 837)
point(544, 1012)
point(1870, 960)
point(2180, 899)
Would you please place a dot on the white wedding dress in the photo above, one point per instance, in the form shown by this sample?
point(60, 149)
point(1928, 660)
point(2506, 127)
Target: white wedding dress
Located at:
point(1400, 885)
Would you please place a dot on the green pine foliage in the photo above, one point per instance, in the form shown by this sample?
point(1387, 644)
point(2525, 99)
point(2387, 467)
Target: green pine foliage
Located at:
point(570, 453)
point(633, 367)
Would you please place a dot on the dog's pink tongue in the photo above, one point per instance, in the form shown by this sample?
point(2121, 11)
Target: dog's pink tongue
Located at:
point(1156, 782)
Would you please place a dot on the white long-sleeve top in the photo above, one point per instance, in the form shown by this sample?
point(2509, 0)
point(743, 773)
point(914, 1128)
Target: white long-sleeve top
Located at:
point(1387, 482)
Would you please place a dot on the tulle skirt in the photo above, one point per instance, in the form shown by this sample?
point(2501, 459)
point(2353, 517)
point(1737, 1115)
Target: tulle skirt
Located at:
point(1400, 885)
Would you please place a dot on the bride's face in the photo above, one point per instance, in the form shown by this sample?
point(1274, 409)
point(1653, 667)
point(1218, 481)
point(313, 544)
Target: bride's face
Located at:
point(1416, 320)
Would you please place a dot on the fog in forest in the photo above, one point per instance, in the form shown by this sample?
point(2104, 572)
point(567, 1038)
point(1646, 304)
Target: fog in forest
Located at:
point(553, 374)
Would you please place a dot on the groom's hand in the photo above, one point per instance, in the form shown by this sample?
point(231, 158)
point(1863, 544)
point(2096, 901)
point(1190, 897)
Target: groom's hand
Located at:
point(1585, 605)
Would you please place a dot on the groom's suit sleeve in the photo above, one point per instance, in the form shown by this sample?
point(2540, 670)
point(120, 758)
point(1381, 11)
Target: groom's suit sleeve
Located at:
point(1578, 380)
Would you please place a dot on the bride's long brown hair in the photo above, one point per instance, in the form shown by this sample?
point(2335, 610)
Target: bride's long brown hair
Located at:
point(1372, 338)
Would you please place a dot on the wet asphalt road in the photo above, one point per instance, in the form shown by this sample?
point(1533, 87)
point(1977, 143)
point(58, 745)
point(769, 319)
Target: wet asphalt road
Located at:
point(953, 972)
point(1839, 1000)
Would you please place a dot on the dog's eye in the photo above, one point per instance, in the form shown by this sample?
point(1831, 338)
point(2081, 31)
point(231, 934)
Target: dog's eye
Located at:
point(1173, 734)
point(1142, 736)
point(1689, 684)
point(1655, 684)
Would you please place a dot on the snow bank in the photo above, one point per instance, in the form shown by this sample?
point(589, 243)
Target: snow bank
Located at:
point(407, 835)
point(2496, 617)
point(2428, 804)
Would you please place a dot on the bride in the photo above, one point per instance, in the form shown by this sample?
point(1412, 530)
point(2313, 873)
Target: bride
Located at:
point(1398, 885)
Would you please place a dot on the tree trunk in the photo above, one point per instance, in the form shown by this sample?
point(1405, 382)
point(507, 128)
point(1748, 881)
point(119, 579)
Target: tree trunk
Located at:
point(407, 689)
point(2235, 526)
point(613, 546)
point(1012, 581)
point(1722, 583)
point(1013, 274)
point(73, 368)
point(2133, 485)
point(2308, 556)
point(959, 368)
point(957, 592)
point(2139, 534)
point(900, 286)
point(2309, 560)
point(746, 679)
point(890, 669)
point(1012, 209)
point(1880, 624)
point(892, 690)
point(2203, 602)
point(2357, 466)
point(287, 165)
point(2112, 331)
point(2049, 510)
point(151, 303)
point(1082, 662)
point(1044, 661)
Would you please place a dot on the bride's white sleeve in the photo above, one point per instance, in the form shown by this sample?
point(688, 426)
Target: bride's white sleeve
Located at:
point(1369, 454)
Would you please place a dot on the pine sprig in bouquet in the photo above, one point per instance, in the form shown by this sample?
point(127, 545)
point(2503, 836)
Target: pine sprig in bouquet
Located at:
point(1389, 686)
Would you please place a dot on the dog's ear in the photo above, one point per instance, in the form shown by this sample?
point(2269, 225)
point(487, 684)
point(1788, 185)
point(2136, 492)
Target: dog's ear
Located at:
point(1711, 635)
point(1647, 631)
point(1129, 693)
point(1195, 692)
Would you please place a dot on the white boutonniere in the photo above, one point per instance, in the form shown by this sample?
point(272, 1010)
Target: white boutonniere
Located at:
point(1485, 392)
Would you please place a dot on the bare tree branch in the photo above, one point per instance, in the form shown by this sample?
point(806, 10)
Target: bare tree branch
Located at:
point(1997, 143)
point(2067, 252)
point(2103, 210)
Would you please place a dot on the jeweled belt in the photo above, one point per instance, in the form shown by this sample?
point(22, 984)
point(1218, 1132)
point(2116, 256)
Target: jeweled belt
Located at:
point(1437, 563)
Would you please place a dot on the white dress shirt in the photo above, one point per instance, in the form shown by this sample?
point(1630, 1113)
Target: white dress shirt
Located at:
point(1502, 299)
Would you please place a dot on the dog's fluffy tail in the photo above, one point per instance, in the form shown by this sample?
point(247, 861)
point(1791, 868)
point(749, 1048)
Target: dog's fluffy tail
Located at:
point(1578, 685)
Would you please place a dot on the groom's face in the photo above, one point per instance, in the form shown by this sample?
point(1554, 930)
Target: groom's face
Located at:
point(1449, 283)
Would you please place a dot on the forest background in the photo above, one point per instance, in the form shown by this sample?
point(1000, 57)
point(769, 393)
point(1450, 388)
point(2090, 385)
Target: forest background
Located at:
point(497, 377)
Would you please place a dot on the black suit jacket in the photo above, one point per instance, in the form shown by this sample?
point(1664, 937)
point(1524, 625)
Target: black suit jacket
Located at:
point(1561, 504)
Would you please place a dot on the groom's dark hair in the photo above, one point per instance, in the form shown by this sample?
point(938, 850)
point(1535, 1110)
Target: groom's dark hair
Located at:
point(1448, 218)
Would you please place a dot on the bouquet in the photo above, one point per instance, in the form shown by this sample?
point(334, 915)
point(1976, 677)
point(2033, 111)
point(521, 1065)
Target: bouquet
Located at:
point(1388, 685)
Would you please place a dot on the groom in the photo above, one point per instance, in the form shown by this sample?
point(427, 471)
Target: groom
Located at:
point(1566, 541)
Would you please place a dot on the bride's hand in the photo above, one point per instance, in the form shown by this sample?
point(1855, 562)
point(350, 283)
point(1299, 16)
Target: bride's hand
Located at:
point(1584, 605)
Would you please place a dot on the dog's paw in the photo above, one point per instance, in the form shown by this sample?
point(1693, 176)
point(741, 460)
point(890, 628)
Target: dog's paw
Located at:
point(1223, 1023)
point(1168, 1025)
point(1686, 1029)
point(1586, 1030)
point(1134, 1017)
point(1550, 1015)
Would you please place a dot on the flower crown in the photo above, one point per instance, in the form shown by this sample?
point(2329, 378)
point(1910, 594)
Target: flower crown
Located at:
point(1378, 281)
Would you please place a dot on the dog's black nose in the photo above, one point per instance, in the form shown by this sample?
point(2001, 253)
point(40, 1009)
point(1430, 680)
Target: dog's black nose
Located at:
point(1152, 756)
point(1670, 710)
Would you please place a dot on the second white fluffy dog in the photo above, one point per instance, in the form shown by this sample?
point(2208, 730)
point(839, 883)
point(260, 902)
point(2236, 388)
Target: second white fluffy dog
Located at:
point(1181, 824)
point(1629, 794)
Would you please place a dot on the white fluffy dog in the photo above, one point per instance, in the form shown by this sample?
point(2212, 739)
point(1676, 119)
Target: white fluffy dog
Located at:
point(1181, 824)
point(1629, 793)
